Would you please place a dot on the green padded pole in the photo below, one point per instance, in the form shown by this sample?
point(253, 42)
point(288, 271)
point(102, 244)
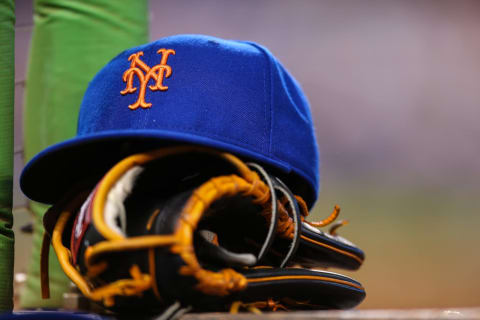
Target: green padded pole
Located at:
point(71, 41)
point(7, 85)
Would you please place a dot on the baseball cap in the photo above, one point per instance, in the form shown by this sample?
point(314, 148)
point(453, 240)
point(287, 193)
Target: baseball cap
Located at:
point(186, 89)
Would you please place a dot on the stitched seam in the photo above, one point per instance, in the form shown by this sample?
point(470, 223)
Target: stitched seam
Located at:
point(222, 138)
point(271, 106)
point(268, 135)
point(266, 107)
point(189, 129)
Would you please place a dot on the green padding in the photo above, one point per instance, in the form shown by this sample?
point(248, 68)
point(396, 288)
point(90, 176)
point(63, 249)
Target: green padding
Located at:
point(7, 85)
point(71, 41)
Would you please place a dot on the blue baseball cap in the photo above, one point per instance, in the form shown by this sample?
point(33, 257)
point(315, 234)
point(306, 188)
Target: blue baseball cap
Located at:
point(186, 89)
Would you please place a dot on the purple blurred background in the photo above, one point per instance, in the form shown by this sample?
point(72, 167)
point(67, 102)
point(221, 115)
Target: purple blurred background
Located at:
point(395, 93)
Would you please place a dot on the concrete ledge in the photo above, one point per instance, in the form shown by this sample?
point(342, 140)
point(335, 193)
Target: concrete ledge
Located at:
point(451, 313)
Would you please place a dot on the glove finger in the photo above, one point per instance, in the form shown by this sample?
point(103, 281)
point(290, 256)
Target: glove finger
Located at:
point(291, 288)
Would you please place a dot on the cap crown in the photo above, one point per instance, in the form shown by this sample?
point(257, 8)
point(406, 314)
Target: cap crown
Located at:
point(226, 94)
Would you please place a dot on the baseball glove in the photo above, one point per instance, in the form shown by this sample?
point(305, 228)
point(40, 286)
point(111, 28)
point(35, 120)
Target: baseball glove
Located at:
point(199, 228)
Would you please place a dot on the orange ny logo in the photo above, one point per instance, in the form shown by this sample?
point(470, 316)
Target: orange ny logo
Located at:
point(144, 73)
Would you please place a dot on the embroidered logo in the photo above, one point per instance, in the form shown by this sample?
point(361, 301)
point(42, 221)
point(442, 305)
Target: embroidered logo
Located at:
point(144, 73)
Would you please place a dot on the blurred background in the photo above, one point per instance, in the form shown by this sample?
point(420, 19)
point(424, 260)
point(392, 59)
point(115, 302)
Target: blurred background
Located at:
point(394, 88)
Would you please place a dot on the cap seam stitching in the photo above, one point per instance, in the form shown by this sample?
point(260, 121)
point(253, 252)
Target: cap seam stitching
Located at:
point(268, 132)
point(188, 130)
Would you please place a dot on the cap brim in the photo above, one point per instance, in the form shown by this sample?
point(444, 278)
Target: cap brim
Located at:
point(56, 169)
